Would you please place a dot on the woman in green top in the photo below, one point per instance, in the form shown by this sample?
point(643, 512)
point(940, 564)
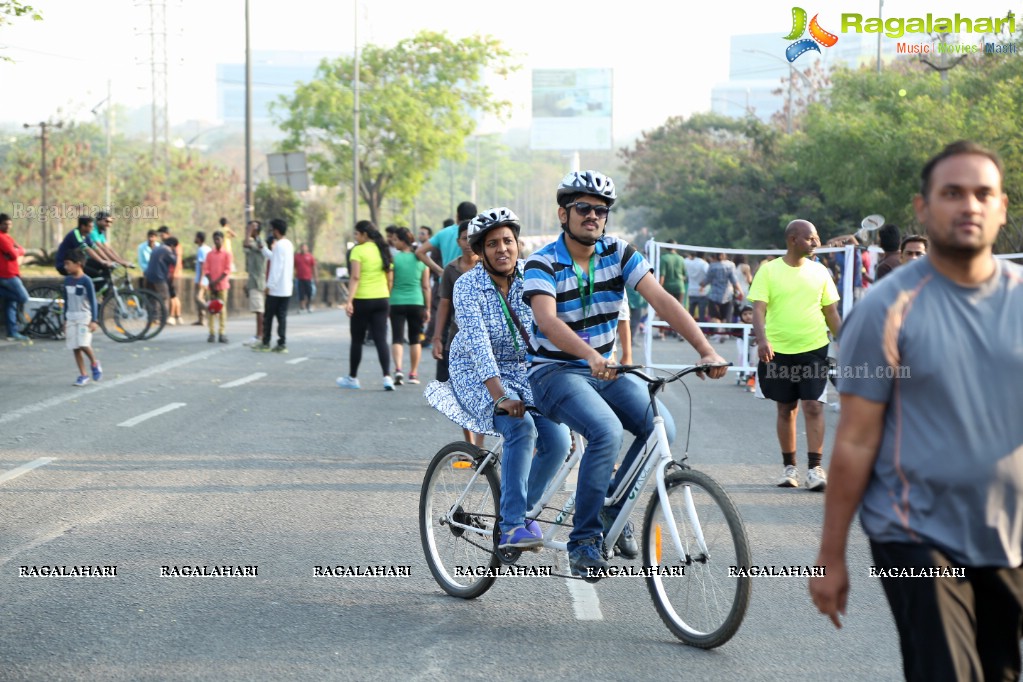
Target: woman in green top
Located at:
point(370, 280)
point(410, 304)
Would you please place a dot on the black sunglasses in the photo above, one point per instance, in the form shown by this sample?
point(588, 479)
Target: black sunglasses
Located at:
point(583, 209)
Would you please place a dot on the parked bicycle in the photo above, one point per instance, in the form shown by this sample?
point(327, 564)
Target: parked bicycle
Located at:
point(692, 531)
point(125, 313)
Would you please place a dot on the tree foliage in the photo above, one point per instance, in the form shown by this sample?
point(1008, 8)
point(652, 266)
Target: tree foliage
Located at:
point(272, 200)
point(857, 151)
point(417, 102)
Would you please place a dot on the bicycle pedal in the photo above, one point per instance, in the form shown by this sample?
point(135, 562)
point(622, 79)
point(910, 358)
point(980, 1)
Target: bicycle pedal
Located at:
point(508, 556)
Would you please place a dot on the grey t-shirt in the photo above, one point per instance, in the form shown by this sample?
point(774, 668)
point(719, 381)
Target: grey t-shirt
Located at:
point(948, 361)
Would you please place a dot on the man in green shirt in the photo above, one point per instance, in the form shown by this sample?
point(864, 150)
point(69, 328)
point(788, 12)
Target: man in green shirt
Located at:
point(673, 275)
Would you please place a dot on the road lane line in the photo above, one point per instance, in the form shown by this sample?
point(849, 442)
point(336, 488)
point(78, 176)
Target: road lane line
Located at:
point(76, 393)
point(244, 380)
point(25, 468)
point(585, 601)
point(295, 361)
point(149, 415)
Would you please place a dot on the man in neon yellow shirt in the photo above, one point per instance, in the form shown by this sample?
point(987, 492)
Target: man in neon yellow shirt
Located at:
point(795, 303)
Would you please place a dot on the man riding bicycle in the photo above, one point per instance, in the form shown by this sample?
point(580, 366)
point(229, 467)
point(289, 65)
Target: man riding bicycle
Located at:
point(575, 287)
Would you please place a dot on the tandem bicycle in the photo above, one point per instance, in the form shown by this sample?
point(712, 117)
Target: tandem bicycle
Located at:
point(692, 532)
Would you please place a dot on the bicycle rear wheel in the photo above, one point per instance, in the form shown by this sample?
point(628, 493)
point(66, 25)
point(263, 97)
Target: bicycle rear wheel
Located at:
point(458, 555)
point(124, 316)
point(704, 607)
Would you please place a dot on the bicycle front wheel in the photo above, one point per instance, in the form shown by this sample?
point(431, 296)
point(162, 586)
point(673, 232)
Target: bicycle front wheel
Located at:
point(157, 312)
point(695, 596)
point(458, 520)
point(124, 316)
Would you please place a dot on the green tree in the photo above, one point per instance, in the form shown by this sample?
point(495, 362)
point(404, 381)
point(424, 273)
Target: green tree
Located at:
point(272, 200)
point(417, 106)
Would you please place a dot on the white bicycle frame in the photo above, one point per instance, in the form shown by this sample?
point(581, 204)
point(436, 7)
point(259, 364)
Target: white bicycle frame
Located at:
point(656, 458)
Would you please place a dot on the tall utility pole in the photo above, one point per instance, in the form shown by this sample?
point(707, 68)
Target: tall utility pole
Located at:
point(248, 122)
point(880, 9)
point(48, 240)
point(355, 126)
point(158, 74)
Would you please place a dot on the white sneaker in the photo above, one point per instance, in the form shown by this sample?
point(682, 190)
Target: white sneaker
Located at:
point(816, 479)
point(253, 341)
point(388, 383)
point(789, 479)
point(348, 382)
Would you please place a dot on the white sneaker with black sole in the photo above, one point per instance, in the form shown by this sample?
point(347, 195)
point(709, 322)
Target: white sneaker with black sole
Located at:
point(789, 479)
point(816, 479)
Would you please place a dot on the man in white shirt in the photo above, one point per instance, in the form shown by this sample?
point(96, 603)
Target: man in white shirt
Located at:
point(279, 284)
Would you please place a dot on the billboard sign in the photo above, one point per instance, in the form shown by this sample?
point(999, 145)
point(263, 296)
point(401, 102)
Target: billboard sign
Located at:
point(571, 109)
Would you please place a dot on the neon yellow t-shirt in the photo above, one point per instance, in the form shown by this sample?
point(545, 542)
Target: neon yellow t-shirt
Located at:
point(372, 278)
point(794, 298)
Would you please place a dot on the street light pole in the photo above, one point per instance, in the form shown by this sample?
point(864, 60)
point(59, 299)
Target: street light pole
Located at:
point(792, 70)
point(355, 123)
point(44, 209)
point(248, 123)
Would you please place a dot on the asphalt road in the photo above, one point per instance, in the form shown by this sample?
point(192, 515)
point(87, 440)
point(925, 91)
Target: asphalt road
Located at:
point(259, 460)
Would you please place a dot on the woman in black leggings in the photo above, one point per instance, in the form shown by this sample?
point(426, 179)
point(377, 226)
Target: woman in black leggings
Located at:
point(370, 280)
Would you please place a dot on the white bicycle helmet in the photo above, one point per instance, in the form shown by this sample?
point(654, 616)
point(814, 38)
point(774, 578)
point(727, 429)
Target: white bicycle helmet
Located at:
point(488, 220)
point(590, 182)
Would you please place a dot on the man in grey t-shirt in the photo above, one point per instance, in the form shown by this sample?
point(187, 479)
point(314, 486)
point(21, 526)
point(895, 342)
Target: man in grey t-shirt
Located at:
point(930, 441)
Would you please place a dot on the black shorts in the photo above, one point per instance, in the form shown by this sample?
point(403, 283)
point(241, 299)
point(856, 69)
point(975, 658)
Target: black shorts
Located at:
point(410, 316)
point(800, 376)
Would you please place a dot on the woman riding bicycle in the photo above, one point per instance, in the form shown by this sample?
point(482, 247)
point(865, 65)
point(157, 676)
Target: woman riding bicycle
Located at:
point(488, 374)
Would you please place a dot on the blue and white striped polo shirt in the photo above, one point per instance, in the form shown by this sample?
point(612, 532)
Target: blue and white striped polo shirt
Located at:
point(549, 272)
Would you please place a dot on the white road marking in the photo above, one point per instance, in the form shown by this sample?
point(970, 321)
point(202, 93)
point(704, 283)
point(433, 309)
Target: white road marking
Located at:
point(244, 380)
point(75, 393)
point(295, 361)
point(585, 601)
point(25, 468)
point(149, 415)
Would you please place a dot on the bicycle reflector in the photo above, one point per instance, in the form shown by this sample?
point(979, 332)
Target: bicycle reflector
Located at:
point(216, 306)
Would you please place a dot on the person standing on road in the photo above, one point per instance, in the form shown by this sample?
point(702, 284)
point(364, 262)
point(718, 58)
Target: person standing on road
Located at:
point(202, 285)
point(370, 282)
point(409, 305)
point(673, 276)
point(305, 274)
point(80, 316)
point(930, 446)
point(217, 272)
point(723, 282)
point(12, 289)
point(795, 303)
point(696, 269)
point(145, 250)
point(255, 270)
point(279, 286)
point(575, 286)
point(174, 307)
point(157, 272)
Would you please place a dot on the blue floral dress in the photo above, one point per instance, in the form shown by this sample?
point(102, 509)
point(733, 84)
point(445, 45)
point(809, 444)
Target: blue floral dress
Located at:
point(485, 346)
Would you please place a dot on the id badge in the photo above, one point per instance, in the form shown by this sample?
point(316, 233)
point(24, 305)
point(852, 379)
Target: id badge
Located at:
point(585, 336)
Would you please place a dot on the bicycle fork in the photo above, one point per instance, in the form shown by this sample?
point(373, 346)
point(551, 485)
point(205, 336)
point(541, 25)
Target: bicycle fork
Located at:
point(663, 462)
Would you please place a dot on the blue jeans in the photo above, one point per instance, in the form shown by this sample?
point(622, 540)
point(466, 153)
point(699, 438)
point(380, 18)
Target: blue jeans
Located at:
point(524, 476)
point(13, 292)
point(601, 411)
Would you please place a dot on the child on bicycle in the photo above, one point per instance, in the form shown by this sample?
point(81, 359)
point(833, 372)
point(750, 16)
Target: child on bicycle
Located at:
point(82, 311)
point(488, 374)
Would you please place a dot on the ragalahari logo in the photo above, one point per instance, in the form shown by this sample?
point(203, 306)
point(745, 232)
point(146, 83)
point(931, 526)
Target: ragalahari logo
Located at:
point(817, 35)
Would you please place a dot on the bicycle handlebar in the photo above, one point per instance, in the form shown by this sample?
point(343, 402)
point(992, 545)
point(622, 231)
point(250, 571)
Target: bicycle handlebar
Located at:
point(637, 371)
